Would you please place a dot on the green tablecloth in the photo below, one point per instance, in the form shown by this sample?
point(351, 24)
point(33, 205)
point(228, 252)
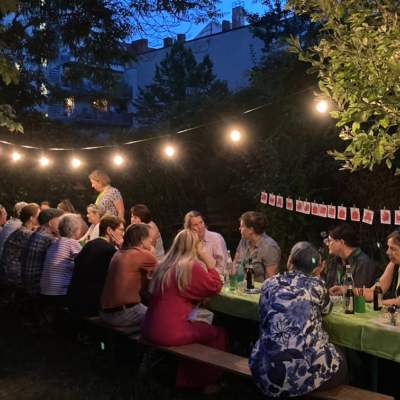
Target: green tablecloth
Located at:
point(352, 331)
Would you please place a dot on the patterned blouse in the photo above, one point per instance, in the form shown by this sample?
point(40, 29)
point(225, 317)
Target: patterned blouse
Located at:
point(293, 355)
point(108, 198)
point(10, 265)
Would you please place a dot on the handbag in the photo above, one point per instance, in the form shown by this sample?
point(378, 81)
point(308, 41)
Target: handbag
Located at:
point(200, 314)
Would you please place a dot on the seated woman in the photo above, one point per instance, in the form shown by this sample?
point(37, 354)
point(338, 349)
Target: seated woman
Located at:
point(10, 264)
point(390, 278)
point(91, 267)
point(293, 355)
point(176, 283)
point(120, 300)
point(258, 246)
point(94, 214)
point(59, 263)
point(140, 213)
point(67, 208)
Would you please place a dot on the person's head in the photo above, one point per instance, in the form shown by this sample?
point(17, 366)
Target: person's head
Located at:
point(17, 208)
point(194, 220)
point(3, 215)
point(304, 257)
point(140, 213)
point(30, 213)
point(94, 213)
point(44, 205)
point(70, 226)
point(137, 235)
point(49, 219)
point(341, 237)
point(66, 206)
point(252, 223)
point(110, 226)
point(393, 242)
point(99, 180)
point(181, 255)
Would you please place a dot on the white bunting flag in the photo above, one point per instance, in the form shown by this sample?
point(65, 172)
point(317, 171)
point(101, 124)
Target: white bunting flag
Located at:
point(368, 216)
point(332, 212)
point(354, 214)
point(386, 217)
point(342, 213)
point(264, 197)
point(323, 210)
point(315, 209)
point(279, 201)
point(306, 207)
point(289, 204)
point(397, 217)
point(299, 206)
point(271, 200)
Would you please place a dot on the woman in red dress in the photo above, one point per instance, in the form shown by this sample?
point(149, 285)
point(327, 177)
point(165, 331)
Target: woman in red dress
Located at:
point(176, 283)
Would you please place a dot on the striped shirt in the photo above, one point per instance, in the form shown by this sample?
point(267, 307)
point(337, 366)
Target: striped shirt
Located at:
point(32, 258)
point(58, 267)
point(214, 245)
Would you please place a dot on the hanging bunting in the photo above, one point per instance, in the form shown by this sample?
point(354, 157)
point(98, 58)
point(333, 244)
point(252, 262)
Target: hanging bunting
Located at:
point(299, 206)
point(289, 204)
point(368, 216)
point(342, 213)
point(279, 201)
point(264, 197)
point(332, 212)
point(355, 214)
point(315, 208)
point(397, 217)
point(323, 210)
point(271, 200)
point(386, 217)
point(306, 207)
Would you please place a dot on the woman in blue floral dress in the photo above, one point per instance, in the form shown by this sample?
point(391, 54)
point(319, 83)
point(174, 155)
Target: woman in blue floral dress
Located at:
point(293, 355)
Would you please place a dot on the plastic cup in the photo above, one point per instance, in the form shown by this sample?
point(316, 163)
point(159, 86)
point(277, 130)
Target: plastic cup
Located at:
point(233, 282)
point(359, 304)
point(337, 304)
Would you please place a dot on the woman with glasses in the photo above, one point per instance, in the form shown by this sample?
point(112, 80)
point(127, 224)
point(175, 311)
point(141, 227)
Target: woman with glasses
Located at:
point(390, 280)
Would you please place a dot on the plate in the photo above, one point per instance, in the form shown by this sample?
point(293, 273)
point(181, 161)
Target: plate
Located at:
point(252, 291)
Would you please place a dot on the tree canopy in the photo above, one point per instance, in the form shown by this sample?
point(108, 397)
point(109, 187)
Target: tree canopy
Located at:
point(357, 62)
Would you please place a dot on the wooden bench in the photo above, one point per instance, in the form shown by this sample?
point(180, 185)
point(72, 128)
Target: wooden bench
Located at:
point(239, 366)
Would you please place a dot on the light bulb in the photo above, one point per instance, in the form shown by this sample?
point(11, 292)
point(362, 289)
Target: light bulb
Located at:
point(118, 160)
point(322, 106)
point(76, 163)
point(44, 161)
point(16, 156)
point(235, 135)
point(170, 151)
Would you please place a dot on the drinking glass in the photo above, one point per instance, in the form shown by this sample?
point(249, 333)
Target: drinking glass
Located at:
point(337, 303)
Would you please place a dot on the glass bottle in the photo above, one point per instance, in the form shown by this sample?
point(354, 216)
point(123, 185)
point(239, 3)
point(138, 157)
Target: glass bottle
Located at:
point(378, 296)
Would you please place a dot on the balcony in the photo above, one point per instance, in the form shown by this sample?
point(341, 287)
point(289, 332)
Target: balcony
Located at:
point(99, 117)
point(122, 91)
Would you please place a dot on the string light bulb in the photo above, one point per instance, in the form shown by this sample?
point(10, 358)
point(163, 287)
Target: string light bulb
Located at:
point(235, 135)
point(118, 160)
point(76, 162)
point(322, 106)
point(16, 156)
point(44, 161)
point(170, 151)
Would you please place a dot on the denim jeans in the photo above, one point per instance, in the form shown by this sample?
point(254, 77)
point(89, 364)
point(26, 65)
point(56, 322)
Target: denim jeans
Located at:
point(130, 317)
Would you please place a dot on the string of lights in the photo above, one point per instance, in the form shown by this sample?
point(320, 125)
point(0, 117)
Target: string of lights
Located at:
point(169, 150)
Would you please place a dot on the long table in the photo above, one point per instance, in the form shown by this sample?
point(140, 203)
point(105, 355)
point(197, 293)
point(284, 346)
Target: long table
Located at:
point(353, 331)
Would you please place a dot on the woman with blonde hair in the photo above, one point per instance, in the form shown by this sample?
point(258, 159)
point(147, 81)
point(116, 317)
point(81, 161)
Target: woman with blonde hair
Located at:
point(109, 197)
point(177, 282)
point(94, 214)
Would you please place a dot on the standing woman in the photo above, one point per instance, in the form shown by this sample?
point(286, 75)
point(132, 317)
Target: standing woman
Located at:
point(141, 213)
point(177, 281)
point(109, 197)
point(293, 355)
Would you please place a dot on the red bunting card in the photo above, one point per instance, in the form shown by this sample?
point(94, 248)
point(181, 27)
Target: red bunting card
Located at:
point(368, 216)
point(271, 200)
point(385, 217)
point(279, 201)
point(299, 206)
point(306, 207)
point(323, 210)
point(354, 214)
point(342, 213)
point(397, 217)
point(315, 209)
point(289, 204)
point(264, 197)
point(332, 212)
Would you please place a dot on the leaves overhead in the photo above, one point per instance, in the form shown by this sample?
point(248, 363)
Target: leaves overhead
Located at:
point(358, 66)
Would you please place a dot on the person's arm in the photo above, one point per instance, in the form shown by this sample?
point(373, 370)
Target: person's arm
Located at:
point(270, 270)
point(206, 259)
point(270, 261)
point(154, 233)
point(119, 206)
point(220, 255)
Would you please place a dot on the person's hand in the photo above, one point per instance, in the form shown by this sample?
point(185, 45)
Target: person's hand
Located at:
point(205, 258)
point(336, 290)
point(317, 271)
point(153, 250)
point(116, 239)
